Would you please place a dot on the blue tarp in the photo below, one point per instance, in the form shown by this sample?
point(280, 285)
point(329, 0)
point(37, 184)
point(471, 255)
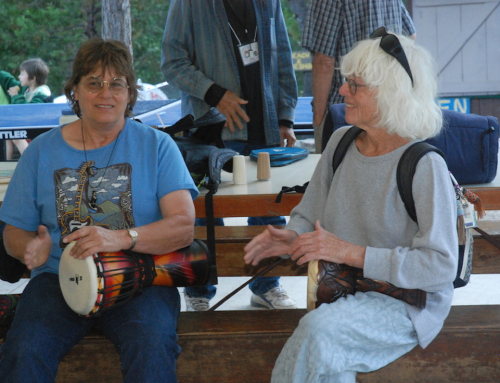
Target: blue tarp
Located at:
point(37, 118)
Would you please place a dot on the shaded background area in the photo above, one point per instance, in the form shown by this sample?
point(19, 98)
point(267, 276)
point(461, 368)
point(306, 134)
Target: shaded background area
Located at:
point(54, 29)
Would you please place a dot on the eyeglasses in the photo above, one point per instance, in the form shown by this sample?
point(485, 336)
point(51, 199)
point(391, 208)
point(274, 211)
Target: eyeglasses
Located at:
point(392, 46)
point(353, 85)
point(116, 86)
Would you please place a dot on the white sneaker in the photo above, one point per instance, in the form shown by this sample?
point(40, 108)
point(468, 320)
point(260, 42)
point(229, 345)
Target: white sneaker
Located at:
point(274, 299)
point(196, 304)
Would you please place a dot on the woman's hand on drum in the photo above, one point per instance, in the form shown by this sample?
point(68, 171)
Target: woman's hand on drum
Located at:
point(37, 250)
point(271, 242)
point(94, 239)
point(321, 244)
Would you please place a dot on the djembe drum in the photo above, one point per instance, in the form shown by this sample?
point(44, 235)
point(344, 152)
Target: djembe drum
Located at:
point(104, 281)
point(329, 281)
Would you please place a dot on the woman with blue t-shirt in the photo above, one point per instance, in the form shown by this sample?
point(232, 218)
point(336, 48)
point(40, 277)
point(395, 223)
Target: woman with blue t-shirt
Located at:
point(108, 183)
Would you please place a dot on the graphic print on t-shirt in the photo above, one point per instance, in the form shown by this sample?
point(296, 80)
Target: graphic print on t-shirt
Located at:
point(88, 196)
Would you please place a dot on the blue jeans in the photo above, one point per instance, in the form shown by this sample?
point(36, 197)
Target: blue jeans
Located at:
point(45, 329)
point(260, 285)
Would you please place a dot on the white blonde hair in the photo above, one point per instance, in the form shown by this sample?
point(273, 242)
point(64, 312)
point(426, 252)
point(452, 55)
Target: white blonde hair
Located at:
point(410, 112)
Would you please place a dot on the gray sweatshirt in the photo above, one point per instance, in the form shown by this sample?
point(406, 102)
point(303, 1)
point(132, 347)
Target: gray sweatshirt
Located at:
point(362, 205)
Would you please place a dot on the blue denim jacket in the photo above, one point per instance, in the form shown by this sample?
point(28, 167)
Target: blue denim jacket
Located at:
point(197, 51)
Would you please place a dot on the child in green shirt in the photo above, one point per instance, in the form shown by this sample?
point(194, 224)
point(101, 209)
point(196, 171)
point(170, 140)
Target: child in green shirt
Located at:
point(31, 87)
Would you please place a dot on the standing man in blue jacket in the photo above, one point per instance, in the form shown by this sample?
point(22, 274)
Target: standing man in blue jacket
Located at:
point(232, 59)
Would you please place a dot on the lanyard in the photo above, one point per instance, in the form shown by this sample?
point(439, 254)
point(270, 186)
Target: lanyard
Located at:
point(235, 35)
point(249, 51)
point(243, 16)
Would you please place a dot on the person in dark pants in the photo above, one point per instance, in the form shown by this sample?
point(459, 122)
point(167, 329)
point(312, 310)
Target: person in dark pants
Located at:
point(232, 60)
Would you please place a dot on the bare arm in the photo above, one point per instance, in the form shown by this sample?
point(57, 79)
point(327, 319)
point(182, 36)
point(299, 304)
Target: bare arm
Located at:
point(172, 232)
point(322, 77)
point(31, 248)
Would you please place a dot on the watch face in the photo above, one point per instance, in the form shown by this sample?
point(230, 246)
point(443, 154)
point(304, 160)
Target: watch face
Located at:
point(133, 235)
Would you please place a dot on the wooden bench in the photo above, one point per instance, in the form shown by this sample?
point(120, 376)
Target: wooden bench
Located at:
point(466, 350)
point(242, 346)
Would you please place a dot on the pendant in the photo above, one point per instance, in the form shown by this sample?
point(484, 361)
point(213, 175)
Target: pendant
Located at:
point(93, 199)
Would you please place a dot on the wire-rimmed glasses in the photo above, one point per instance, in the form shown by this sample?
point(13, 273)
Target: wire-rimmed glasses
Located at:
point(116, 86)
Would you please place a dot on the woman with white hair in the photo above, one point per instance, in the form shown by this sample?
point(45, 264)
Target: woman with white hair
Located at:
point(356, 217)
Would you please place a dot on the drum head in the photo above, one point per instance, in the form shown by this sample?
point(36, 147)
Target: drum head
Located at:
point(78, 280)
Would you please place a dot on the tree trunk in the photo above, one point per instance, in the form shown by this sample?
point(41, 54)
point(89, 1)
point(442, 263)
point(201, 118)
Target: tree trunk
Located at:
point(93, 11)
point(116, 21)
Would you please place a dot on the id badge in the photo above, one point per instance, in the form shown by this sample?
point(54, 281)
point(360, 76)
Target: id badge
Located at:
point(469, 215)
point(249, 53)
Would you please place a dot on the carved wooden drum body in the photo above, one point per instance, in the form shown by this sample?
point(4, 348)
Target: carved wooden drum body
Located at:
point(106, 280)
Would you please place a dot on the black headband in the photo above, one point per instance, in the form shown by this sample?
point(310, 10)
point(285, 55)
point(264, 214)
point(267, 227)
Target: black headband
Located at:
point(392, 46)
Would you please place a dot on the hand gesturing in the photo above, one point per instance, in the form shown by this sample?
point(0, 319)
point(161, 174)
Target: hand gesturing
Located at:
point(38, 249)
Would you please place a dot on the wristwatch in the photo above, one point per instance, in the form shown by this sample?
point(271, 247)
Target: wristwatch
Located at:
point(133, 235)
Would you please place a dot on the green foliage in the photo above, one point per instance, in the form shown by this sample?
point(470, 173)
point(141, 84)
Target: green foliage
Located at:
point(148, 23)
point(292, 26)
point(293, 29)
point(47, 29)
point(53, 31)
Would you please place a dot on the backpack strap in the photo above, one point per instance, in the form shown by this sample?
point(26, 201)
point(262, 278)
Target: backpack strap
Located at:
point(343, 146)
point(406, 170)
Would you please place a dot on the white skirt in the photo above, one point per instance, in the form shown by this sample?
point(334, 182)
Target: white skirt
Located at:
point(361, 332)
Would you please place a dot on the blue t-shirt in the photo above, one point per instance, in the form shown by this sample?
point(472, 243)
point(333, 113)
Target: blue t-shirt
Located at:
point(51, 185)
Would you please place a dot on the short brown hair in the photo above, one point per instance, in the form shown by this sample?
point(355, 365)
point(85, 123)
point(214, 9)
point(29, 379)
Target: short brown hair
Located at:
point(36, 68)
point(107, 54)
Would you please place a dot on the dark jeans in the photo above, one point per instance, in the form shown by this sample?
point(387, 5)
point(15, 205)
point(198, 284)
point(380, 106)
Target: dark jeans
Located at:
point(45, 329)
point(260, 285)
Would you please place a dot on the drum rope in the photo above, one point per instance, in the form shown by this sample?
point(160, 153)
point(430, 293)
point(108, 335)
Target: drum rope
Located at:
point(259, 274)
